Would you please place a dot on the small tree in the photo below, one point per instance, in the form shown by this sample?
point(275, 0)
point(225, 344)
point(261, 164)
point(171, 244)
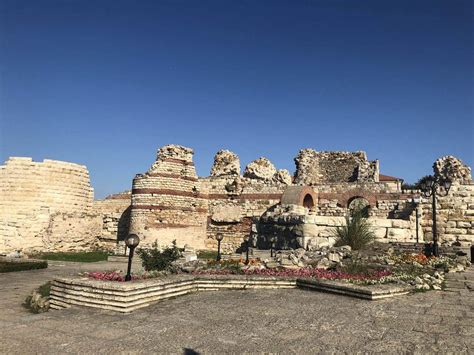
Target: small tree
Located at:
point(357, 232)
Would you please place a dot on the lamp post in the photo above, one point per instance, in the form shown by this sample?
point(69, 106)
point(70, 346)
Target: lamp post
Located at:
point(272, 246)
point(132, 241)
point(434, 186)
point(247, 247)
point(219, 237)
point(415, 203)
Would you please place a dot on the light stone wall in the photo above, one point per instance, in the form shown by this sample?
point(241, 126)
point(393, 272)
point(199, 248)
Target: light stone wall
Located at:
point(455, 215)
point(115, 214)
point(37, 197)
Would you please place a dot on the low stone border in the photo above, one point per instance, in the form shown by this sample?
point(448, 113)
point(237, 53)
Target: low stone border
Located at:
point(374, 292)
point(126, 297)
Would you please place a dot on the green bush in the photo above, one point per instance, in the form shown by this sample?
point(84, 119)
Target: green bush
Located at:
point(156, 259)
point(357, 233)
point(11, 266)
point(83, 256)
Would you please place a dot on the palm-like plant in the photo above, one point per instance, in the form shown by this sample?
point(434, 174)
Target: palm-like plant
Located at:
point(357, 232)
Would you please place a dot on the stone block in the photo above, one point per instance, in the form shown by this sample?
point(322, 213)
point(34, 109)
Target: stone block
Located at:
point(380, 222)
point(380, 232)
point(227, 214)
point(329, 221)
point(399, 223)
point(398, 234)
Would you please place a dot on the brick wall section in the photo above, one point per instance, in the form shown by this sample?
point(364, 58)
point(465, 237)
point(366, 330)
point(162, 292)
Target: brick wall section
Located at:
point(35, 197)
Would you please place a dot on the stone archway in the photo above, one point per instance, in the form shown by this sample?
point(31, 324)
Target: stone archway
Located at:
point(300, 196)
point(358, 203)
point(308, 201)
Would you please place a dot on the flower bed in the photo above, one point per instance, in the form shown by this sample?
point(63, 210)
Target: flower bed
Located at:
point(303, 273)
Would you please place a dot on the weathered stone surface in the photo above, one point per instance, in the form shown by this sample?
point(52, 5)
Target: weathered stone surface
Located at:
point(225, 163)
point(283, 176)
point(37, 196)
point(227, 214)
point(314, 167)
point(307, 168)
point(452, 168)
point(262, 169)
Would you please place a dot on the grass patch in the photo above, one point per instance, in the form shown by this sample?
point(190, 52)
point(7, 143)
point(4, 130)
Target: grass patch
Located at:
point(12, 266)
point(207, 254)
point(83, 257)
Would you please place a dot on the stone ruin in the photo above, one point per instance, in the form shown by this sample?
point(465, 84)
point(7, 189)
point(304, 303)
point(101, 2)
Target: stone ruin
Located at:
point(50, 205)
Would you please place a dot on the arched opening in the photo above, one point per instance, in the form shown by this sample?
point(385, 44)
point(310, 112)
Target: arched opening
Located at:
point(308, 201)
point(359, 204)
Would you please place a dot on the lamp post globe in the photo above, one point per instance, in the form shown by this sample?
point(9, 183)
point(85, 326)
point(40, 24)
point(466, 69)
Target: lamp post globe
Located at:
point(131, 242)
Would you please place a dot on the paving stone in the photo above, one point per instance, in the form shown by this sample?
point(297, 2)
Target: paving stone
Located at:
point(252, 321)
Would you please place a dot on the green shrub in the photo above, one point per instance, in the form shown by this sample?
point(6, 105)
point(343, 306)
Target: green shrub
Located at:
point(11, 266)
point(156, 259)
point(83, 256)
point(357, 233)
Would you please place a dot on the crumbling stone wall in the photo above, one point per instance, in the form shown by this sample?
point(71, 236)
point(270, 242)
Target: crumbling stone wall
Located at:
point(168, 202)
point(42, 202)
point(232, 211)
point(313, 168)
point(115, 213)
point(455, 212)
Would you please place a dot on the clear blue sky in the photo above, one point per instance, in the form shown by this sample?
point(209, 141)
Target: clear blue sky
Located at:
point(105, 83)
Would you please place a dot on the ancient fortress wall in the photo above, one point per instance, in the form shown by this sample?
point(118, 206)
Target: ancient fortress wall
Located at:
point(455, 215)
point(232, 214)
point(49, 205)
point(115, 213)
point(168, 202)
point(45, 205)
point(313, 168)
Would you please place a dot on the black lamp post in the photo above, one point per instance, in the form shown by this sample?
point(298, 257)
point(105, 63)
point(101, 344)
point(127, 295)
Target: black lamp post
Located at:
point(272, 246)
point(416, 202)
point(435, 186)
point(132, 241)
point(247, 247)
point(219, 237)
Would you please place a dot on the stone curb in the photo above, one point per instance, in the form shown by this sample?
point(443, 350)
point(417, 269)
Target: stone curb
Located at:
point(127, 297)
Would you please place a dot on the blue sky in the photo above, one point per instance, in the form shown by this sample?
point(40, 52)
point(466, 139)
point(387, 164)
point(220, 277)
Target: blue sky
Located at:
point(105, 83)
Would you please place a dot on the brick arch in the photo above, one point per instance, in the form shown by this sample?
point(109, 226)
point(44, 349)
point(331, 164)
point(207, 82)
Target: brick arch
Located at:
point(345, 197)
point(299, 195)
